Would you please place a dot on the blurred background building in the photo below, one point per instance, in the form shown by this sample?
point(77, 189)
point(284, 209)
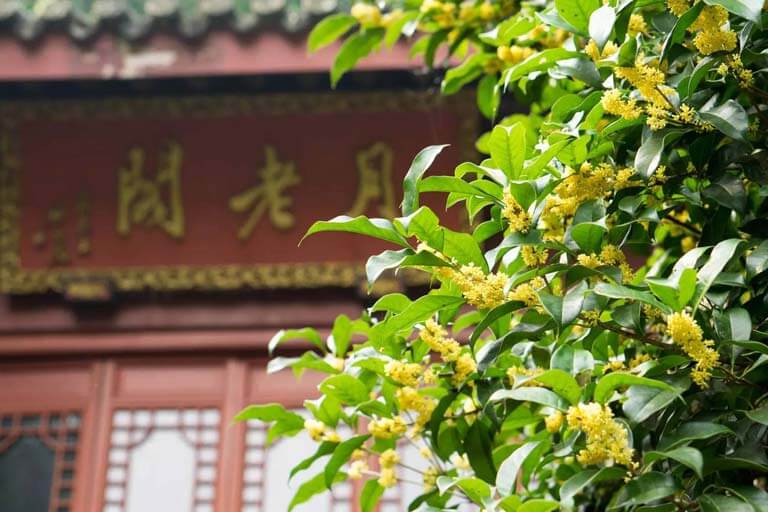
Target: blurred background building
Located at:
point(159, 162)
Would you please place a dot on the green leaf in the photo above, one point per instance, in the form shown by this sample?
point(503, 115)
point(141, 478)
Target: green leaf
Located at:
point(387, 260)
point(417, 311)
point(644, 401)
point(370, 495)
point(536, 395)
point(419, 166)
point(508, 145)
point(476, 490)
point(577, 12)
point(749, 9)
point(729, 117)
point(534, 169)
point(734, 324)
point(491, 317)
point(345, 388)
point(356, 47)
point(306, 333)
point(721, 503)
point(328, 30)
point(540, 61)
point(307, 361)
point(648, 157)
point(539, 505)
point(564, 310)
point(572, 360)
point(477, 445)
point(466, 72)
point(691, 431)
point(325, 448)
point(396, 29)
point(310, 488)
point(340, 456)
point(561, 383)
point(341, 334)
point(644, 489)
point(687, 286)
point(718, 259)
point(601, 24)
point(678, 32)
point(756, 497)
point(685, 455)
point(608, 384)
point(588, 236)
point(585, 478)
point(376, 228)
point(284, 423)
point(488, 96)
point(616, 291)
point(268, 413)
point(506, 479)
point(759, 415)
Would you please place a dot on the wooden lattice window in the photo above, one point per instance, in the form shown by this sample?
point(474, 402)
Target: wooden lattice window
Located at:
point(162, 460)
point(267, 469)
point(37, 461)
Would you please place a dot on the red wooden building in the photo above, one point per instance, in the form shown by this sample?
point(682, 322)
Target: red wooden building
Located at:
point(159, 162)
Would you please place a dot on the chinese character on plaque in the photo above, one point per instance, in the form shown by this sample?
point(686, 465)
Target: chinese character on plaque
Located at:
point(155, 201)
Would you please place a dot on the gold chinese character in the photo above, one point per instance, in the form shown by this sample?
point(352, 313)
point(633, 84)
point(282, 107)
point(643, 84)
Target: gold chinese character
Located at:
point(56, 231)
point(374, 167)
point(268, 196)
point(143, 201)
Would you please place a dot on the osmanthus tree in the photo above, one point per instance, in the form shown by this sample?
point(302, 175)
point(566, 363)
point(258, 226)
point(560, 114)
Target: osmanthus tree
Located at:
point(586, 382)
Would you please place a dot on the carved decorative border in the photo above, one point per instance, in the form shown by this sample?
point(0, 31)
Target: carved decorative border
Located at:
point(15, 280)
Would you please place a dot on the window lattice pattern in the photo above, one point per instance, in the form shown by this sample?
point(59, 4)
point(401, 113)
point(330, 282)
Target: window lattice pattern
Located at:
point(56, 435)
point(267, 470)
point(162, 460)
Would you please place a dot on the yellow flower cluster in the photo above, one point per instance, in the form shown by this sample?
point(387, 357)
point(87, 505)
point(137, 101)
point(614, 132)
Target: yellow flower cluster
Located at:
point(387, 462)
point(594, 53)
point(526, 292)
point(319, 431)
point(447, 14)
point(648, 80)
point(514, 213)
point(460, 462)
point(406, 374)
point(678, 7)
point(436, 338)
point(553, 422)
point(514, 54)
point(430, 478)
point(687, 115)
point(687, 334)
point(607, 440)
point(614, 104)
point(578, 187)
point(637, 25)
point(638, 360)
point(409, 399)
point(534, 256)
point(359, 465)
point(464, 367)
point(484, 291)
point(368, 15)
point(736, 66)
point(711, 37)
point(590, 317)
point(517, 372)
point(387, 428)
point(657, 117)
